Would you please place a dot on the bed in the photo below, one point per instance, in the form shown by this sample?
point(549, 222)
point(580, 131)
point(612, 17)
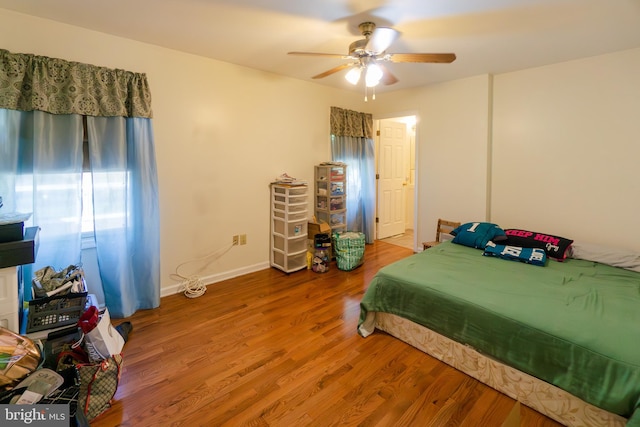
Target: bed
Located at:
point(561, 337)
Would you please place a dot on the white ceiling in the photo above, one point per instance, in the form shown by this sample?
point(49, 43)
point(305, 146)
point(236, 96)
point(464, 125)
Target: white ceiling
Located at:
point(488, 36)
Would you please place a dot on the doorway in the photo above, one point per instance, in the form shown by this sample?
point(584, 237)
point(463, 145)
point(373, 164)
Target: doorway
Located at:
point(396, 172)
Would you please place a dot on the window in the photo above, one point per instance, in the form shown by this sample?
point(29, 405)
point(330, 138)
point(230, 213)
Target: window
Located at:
point(59, 185)
point(105, 187)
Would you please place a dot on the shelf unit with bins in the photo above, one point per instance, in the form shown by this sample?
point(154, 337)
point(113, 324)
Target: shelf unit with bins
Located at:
point(289, 221)
point(331, 195)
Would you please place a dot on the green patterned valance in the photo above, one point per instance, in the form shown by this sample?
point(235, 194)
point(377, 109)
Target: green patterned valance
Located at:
point(29, 82)
point(351, 123)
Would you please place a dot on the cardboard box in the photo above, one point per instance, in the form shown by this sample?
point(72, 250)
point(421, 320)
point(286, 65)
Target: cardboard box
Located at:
point(314, 228)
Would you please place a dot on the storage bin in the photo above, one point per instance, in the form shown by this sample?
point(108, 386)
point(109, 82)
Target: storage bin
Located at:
point(297, 200)
point(292, 191)
point(292, 200)
point(55, 311)
point(290, 208)
point(290, 216)
point(337, 221)
point(290, 262)
point(292, 245)
point(336, 204)
point(321, 202)
point(291, 229)
point(337, 175)
point(337, 188)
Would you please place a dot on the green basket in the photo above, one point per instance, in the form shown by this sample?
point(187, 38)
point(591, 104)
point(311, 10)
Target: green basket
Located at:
point(348, 248)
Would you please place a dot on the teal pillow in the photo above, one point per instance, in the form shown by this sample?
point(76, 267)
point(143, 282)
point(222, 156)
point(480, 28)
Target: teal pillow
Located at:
point(477, 234)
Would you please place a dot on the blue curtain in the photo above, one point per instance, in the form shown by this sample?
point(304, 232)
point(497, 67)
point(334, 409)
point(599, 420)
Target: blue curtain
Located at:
point(126, 218)
point(358, 153)
point(41, 169)
point(41, 173)
point(41, 165)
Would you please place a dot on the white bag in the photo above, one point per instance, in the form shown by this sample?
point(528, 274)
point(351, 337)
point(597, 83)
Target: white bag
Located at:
point(104, 340)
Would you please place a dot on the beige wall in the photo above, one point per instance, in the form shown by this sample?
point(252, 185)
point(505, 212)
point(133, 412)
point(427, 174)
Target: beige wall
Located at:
point(554, 148)
point(566, 149)
point(222, 134)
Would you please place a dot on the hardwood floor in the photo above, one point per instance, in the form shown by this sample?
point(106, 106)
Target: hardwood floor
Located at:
point(271, 349)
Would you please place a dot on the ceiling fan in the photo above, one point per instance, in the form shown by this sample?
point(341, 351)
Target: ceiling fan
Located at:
point(368, 54)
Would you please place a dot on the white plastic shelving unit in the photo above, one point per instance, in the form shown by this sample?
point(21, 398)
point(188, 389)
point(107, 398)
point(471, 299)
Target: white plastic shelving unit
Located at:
point(289, 221)
point(331, 195)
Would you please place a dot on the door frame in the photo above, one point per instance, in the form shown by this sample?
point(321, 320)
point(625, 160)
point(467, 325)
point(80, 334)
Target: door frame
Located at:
point(403, 116)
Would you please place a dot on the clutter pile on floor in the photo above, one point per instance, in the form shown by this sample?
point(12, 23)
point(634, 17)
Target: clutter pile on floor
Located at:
point(78, 366)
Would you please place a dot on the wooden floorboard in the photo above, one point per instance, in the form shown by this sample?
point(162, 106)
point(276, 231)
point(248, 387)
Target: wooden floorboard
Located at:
point(276, 349)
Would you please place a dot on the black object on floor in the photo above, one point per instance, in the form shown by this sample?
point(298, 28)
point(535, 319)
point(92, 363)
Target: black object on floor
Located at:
point(124, 329)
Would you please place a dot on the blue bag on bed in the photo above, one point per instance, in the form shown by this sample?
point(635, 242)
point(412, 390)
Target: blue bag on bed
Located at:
point(534, 256)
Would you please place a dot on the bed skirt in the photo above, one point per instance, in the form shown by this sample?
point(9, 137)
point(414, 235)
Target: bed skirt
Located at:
point(539, 395)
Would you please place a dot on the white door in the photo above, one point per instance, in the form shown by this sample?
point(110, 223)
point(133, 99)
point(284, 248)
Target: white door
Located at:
point(392, 170)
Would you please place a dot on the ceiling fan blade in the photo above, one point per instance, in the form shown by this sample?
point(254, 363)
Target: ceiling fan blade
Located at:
point(422, 57)
point(387, 77)
point(328, 55)
point(332, 71)
point(381, 39)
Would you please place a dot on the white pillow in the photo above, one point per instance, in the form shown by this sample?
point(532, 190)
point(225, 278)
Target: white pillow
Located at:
point(615, 257)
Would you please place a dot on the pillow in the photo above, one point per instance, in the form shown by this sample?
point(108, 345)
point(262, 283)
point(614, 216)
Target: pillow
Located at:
point(555, 246)
point(610, 256)
point(533, 256)
point(477, 234)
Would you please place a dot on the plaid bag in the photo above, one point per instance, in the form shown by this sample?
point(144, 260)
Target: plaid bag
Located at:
point(349, 249)
point(98, 385)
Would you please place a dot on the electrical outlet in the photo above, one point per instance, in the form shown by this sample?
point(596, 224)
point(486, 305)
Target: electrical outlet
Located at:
point(243, 239)
point(234, 240)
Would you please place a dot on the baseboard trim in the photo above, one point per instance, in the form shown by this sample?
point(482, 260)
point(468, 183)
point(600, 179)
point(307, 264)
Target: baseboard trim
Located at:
point(218, 277)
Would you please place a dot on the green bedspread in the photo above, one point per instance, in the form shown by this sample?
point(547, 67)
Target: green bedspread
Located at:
point(574, 324)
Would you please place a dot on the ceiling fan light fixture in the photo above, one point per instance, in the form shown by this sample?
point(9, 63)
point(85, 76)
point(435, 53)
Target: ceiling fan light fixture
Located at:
point(367, 56)
point(373, 74)
point(353, 75)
